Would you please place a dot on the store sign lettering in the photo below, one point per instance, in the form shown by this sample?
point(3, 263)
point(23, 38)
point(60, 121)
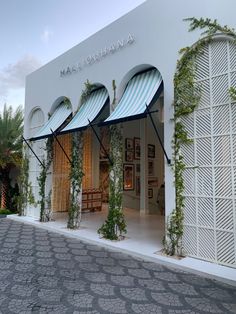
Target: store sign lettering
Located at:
point(98, 56)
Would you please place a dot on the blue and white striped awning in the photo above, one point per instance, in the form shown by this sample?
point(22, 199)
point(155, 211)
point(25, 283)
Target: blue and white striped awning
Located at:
point(139, 92)
point(59, 116)
point(88, 111)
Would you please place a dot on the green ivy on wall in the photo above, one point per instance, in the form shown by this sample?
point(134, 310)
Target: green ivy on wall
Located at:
point(26, 195)
point(186, 98)
point(89, 87)
point(45, 208)
point(76, 177)
point(114, 227)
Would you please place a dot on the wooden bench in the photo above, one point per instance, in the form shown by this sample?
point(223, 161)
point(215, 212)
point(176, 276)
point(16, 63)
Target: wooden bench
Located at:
point(92, 200)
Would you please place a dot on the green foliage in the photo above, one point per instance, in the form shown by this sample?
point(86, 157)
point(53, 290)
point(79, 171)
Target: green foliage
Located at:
point(45, 215)
point(4, 211)
point(11, 130)
point(115, 226)
point(232, 92)
point(210, 27)
point(186, 98)
point(76, 177)
point(89, 87)
point(26, 195)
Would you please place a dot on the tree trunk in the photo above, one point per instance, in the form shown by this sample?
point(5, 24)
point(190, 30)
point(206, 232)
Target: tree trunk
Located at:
point(4, 187)
point(76, 176)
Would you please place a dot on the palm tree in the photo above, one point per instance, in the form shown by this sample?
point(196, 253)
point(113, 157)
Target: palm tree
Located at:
point(11, 130)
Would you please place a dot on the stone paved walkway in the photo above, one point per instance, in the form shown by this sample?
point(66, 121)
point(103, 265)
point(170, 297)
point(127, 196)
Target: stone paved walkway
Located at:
point(45, 272)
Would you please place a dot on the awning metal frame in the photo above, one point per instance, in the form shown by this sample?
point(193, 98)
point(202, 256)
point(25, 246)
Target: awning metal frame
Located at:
point(149, 113)
point(99, 140)
point(33, 152)
point(65, 153)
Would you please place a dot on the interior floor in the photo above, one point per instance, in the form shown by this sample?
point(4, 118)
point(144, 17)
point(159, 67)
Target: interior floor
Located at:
point(144, 232)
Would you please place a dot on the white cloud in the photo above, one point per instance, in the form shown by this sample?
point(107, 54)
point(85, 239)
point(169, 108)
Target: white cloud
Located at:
point(46, 35)
point(13, 76)
point(12, 80)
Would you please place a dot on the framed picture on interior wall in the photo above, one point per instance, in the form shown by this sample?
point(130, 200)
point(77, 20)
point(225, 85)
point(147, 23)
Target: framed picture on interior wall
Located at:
point(128, 177)
point(137, 149)
point(150, 193)
point(150, 168)
point(151, 151)
point(129, 144)
point(137, 185)
point(129, 155)
point(137, 168)
point(153, 181)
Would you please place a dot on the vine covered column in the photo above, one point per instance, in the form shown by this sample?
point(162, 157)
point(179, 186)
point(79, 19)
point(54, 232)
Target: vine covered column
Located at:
point(76, 176)
point(45, 199)
point(114, 227)
point(26, 195)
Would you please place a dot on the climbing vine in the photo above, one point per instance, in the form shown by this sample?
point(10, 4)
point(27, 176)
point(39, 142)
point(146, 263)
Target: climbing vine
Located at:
point(186, 98)
point(114, 227)
point(26, 195)
point(89, 87)
point(76, 177)
point(45, 204)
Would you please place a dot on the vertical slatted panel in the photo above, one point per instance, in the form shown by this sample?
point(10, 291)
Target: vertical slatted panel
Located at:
point(210, 177)
point(61, 171)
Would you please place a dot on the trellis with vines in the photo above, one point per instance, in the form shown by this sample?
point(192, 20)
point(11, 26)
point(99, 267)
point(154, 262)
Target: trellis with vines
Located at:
point(26, 194)
point(186, 98)
point(114, 226)
point(45, 199)
point(76, 170)
point(76, 177)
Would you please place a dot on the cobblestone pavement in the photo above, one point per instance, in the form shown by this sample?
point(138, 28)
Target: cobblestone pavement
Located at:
point(45, 272)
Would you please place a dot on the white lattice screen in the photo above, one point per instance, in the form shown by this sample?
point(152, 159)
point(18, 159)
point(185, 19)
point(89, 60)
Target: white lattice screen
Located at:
point(210, 177)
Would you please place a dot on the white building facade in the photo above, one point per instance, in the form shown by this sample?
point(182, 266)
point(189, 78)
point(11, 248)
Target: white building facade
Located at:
point(149, 38)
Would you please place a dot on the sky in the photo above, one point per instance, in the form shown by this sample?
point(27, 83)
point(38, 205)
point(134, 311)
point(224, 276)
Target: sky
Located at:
point(33, 32)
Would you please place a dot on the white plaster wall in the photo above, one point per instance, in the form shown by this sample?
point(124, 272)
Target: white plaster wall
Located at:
point(159, 33)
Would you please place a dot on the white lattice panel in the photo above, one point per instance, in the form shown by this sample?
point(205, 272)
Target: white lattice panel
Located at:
point(210, 213)
point(222, 148)
point(203, 122)
point(210, 226)
point(225, 247)
point(202, 64)
point(205, 93)
point(220, 88)
point(219, 57)
point(190, 240)
point(233, 79)
point(232, 49)
point(221, 120)
point(190, 211)
point(204, 182)
point(188, 122)
point(187, 152)
point(189, 181)
point(223, 182)
point(205, 212)
point(234, 149)
point(224, 214)
point(233, 117)
point(206, 243)
point(203, 151)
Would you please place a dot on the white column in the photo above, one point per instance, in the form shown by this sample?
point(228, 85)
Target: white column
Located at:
point(143, 168)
